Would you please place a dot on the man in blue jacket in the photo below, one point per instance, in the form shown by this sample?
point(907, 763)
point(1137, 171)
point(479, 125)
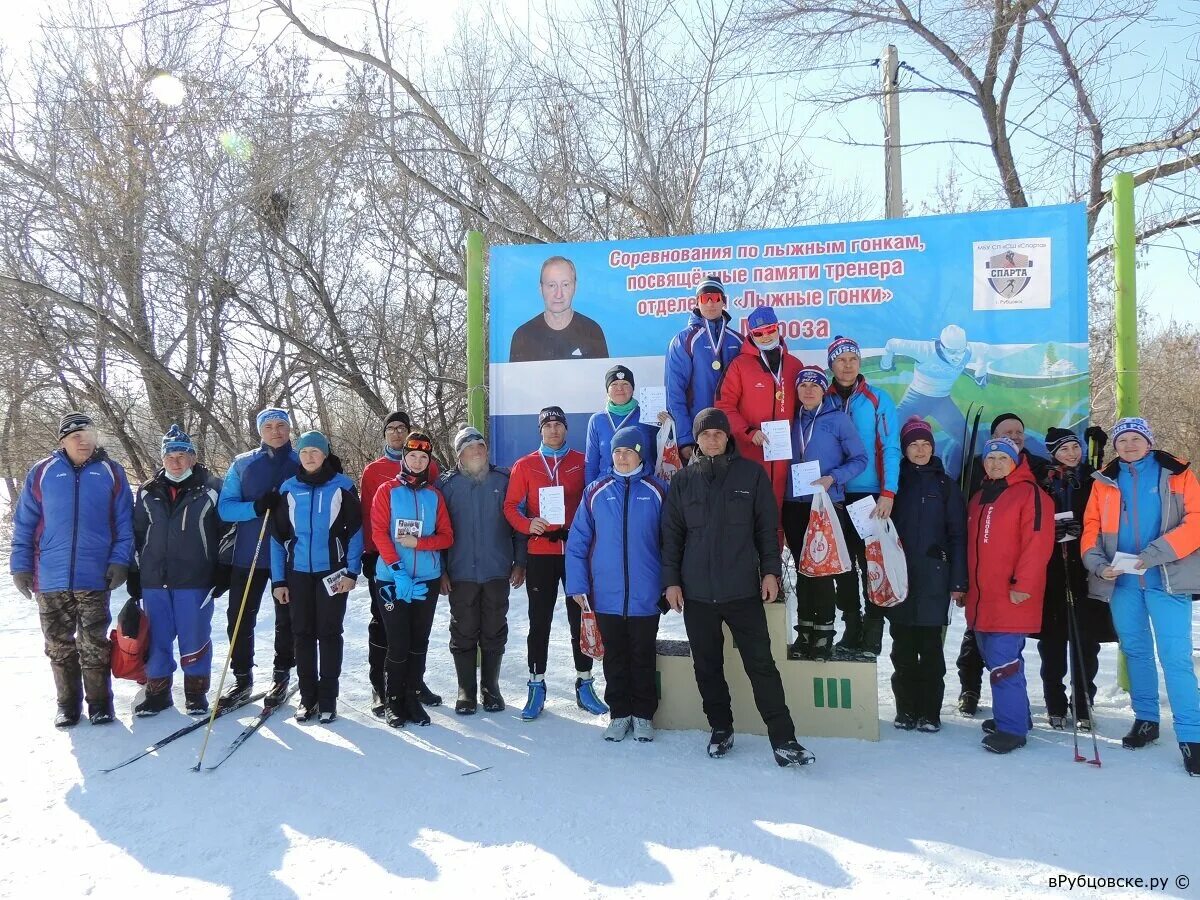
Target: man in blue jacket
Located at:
point(251, 491)
point(72, 544)
point(486, 559)
point(697, 358)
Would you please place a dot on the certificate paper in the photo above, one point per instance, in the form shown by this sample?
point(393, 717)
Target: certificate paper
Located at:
point(331, 580)
point(860, 514)
point(779, 440)
point(803, 476)
point(651, 402)
point(1126, 563)
point(552, 505)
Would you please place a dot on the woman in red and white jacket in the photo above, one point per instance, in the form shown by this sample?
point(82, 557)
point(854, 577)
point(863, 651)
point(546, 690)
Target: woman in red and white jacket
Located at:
point(552, 473)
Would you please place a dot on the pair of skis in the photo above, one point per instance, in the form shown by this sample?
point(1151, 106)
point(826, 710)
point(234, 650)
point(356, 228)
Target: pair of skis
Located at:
point(967, 473)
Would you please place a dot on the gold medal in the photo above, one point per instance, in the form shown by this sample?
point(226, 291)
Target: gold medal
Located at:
point(779, 396)
point(716, 365)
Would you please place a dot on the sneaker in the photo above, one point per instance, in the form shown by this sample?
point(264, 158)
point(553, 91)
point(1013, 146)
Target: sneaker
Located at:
point(720, 742)
point(643, 730)
point(306, 713)
point(536, 701)
point(393, 714)
point(904, 722)
point(790, 753)
point(1191, 758)
point(968, 704)
point(1058, 723)
point(1003, 742)
point(929, 726)
point(279, 685)
point(586, 698)
point(328, 716)
point(1142, 733)
point(378, 705)
point(618, 728)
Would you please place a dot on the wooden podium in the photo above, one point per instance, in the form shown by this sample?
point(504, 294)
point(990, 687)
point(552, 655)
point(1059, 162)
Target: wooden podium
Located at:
point(839, 698)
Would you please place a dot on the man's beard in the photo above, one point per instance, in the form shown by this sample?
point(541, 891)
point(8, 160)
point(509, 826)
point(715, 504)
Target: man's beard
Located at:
point(476, 470)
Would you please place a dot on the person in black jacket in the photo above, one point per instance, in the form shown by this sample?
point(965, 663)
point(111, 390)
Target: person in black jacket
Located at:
point(177, 536)
point(1069, 482)
point(720, 563)
point(931, 520)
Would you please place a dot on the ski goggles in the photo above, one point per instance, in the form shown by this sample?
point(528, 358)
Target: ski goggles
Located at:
point(765, 332)
point(419, 444)
point(712, 297)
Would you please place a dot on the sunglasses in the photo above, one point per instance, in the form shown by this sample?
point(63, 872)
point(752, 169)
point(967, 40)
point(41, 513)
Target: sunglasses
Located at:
point(765, 332)
point(711, 297)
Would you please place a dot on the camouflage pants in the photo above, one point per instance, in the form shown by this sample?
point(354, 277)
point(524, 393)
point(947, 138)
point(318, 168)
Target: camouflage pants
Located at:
point(75, 628)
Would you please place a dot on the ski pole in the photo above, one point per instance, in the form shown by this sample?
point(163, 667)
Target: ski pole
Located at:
point(1077, 671)
point(237, 624)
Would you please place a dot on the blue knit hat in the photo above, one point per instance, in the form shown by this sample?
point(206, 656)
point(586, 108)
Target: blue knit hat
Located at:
point(842, 345)
point(270, 414)
point(1135, 424)
point(761, 317)
point(1002, 445)
point(176, 440)
point(313, 439)
point(813, 375)
point(629, 438)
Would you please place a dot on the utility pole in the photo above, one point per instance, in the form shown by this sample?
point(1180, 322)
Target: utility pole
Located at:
point(893, 190)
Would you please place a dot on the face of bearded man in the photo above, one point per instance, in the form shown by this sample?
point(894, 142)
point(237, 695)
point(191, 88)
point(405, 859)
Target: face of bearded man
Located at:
point(474, 461)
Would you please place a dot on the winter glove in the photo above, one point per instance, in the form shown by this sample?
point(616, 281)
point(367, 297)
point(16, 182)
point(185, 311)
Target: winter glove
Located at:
point(420, 590)
point(558, 534)
point(133, 584)
point(222, 576)
point(1067, 529)
point(24, 583)
point(266, 502)
point(1098, 436)
point(116, 575)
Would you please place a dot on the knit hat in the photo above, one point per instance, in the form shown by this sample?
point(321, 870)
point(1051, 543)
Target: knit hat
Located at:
point(551, 414)
point(270, 414)
point(420, 442)
point(1002, 445)
point(996, 422)
point(712, 284)
point(630, 438)
point(813, 375)
point(617, 373)
point(398, 416)
point(312, 439)
point(1135, 424)
point(467, 437)
point(710, 418)
point(73, 422)
point(176, 440)
point(840, 345)
point(1057, 438)
point(915, 429)
point(761, 317)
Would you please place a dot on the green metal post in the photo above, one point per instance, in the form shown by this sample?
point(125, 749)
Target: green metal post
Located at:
point(1125, 266)
point(476, 412)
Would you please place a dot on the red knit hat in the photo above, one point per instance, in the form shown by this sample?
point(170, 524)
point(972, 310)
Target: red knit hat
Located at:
point(915, 429)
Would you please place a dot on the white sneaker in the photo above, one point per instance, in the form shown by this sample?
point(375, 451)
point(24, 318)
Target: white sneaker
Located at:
point(643, 730)
point(618, 728)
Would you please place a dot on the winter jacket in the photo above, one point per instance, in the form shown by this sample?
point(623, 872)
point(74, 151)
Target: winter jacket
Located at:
point(748, 395)
point(521, 505)
point(690, 378)
point(1177, 522)
point(931, 520)
point(601, 428)
point(1070, 490)
point(874, 415)
point(720, 529)
point(72, 522)
point(374, 475)
point(1038, 465)
point(613, 549)
point(249, 477)
point(397, 502)
point(177, 532)
point(828, 437)
point(1010, 536)
point(317, 527)
point(486, 546)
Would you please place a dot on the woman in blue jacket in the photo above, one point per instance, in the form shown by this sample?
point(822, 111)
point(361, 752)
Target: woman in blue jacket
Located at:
point(620, 411)
point(613, 560)
point(317, 532)
point(820, 433)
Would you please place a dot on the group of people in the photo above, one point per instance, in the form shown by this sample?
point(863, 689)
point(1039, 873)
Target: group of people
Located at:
point(1046, 547)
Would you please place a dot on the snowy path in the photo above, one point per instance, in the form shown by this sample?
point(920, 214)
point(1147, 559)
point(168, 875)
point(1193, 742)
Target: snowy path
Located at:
point(360, 810)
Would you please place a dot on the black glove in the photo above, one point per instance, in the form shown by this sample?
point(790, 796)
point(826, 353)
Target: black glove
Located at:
point(133, 584)
point(222, 576)
point(558, 534)
point(1074, 527)
point(1067, 528)
point(24, 583)
point(369, 560)
point(116, 575)
point(1097, 436)
point(266, 502)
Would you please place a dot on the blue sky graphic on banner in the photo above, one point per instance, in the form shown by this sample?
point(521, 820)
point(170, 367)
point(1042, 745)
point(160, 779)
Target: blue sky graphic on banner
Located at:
point(950, 311)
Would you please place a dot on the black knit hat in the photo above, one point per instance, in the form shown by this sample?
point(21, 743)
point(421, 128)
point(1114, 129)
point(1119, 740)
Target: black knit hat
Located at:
point(617, 373)
point(551, 414)
point(398, 416)
point(1003, 417)
point(710, 418)
point(73, 422)
point(1057, 438)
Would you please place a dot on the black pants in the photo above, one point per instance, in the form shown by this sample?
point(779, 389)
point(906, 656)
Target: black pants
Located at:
point(543, 575)
point(317, 620)
point(970, 664)
point(243, 647)
point(919, 670)
point(816, 598)
point(630, 664)
point(408, 626)
point(376, 633)
point(852, 590)
point(747, 623)
point(1058, 657)
point(479, 616)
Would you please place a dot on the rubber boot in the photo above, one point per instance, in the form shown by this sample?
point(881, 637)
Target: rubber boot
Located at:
point(489, 681)
point(468, 692)
point(156, 699)
point(97, 688)
point(195, 694)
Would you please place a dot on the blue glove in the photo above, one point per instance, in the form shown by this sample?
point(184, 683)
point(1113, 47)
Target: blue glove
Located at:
point(420, 590)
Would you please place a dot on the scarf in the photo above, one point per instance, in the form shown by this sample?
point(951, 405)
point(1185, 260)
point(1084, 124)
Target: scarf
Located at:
point(554, 454)
point(622, 409)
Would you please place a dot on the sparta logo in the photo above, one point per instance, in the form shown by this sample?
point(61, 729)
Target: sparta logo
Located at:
point(1008, 272)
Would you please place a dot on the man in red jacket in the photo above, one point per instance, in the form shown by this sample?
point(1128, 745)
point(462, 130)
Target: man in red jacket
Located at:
point(760, 386)
point(1010, 536)
point(544, 491)
point(396, 428)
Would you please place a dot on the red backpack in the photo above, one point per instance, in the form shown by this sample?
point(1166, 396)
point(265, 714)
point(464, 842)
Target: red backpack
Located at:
point(131, 643)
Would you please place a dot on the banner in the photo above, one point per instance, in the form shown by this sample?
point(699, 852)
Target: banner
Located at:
point(952, 313)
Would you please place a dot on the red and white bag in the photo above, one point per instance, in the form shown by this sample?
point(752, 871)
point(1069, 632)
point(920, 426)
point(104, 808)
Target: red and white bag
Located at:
point(669, 461)
point(590, 642)
point(887, 570)
point(130, 643)
point(825, 551)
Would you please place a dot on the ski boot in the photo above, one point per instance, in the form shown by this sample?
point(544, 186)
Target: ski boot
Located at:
point(238, 692)
point(1191, 757)
point(790, 753)
point(586, 699)
point(1003, 742)
point(536, 701)
point(279, 685)
point(968, 704)
point(1142, 733)
point(720, 742)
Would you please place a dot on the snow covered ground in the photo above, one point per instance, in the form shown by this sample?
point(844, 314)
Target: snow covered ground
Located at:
point(358, 809)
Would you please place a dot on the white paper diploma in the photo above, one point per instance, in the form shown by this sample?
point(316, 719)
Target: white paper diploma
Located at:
point(1127, 563)
point(652, 401)
point(331, 581)
point(803, 476)
point(779, 440)
point(552, 505)
point(860, 514)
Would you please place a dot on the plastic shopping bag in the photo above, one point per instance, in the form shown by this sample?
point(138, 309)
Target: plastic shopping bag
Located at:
point(130, 643)
point(669, 461)
point(887, 570)
point(825, 551)
point(590, 642)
